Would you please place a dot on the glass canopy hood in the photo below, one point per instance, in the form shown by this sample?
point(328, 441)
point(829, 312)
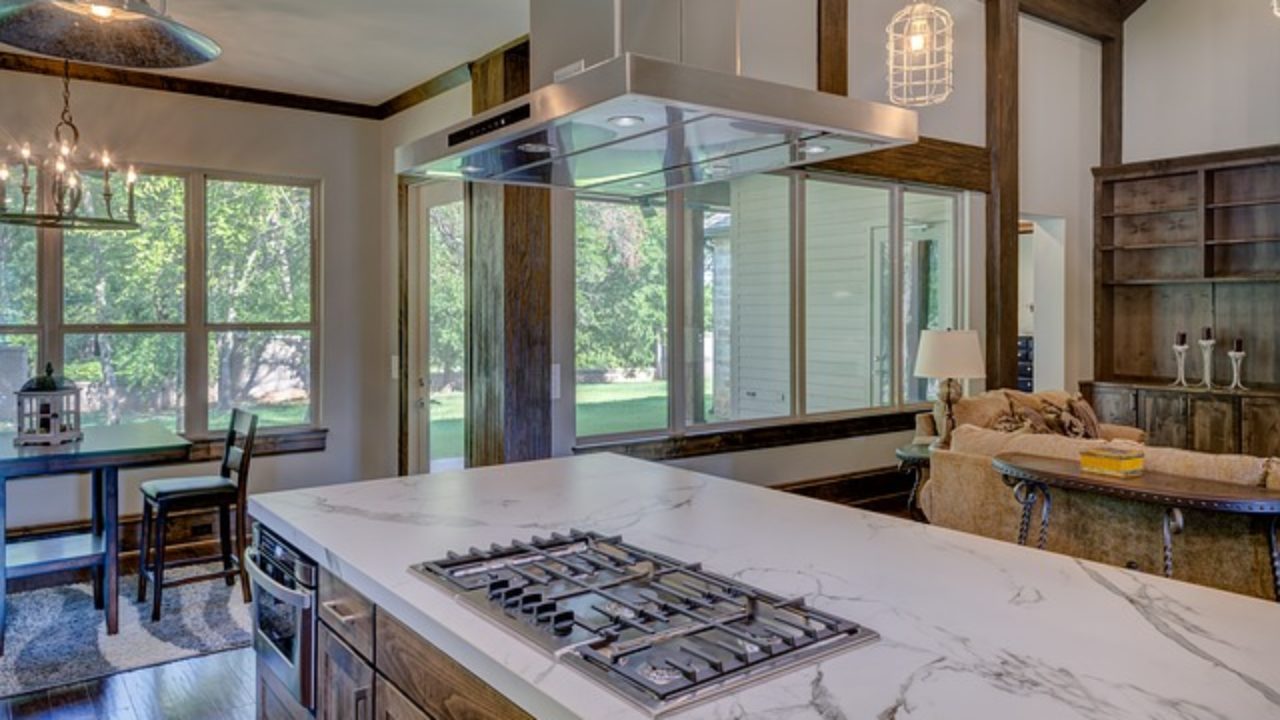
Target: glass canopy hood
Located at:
point(634, 125)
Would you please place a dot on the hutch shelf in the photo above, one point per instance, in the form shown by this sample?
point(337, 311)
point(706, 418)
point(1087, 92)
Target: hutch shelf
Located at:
point(1180, 245)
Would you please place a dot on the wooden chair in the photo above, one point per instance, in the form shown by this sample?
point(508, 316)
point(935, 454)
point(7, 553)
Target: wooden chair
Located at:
point(229, 487)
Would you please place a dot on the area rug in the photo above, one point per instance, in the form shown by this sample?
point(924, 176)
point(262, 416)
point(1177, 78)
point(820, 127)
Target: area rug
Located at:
point(55, 636)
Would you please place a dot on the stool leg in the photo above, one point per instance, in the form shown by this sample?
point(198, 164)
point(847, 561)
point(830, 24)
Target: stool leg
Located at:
point(242, 535)
point(144, 550)
point(224, 538)
point(161, 521)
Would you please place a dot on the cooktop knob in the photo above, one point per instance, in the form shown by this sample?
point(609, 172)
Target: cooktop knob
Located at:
point(562, 622)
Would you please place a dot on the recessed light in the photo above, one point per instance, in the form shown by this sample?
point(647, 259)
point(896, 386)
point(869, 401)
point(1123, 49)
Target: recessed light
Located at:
point(640, 184)
point(816, 149)
point(626, 121)
point(471, 169)
point(536, 147)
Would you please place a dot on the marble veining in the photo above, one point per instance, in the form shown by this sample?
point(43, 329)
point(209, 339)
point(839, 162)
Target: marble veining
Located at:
point(970, 627)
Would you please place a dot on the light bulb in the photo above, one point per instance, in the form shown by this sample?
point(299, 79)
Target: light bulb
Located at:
point(106, 159)
point(64, 149)
point(72, 181)
point(132, 176)
point(916, 42)
point(102, 12)
point(60, 166)
point(26, 152)
point(4, 173)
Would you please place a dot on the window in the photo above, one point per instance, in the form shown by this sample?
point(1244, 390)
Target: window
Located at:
point(446, 327)
point(132, 319)
point(258, 239)
point(621, 306)
point(799, 295)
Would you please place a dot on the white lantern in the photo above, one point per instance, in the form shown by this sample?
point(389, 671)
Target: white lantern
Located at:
point(48, 411)
point(921, 55)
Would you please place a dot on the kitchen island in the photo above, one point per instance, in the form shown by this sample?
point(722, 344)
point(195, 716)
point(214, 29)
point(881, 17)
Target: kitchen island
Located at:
point(970, 627)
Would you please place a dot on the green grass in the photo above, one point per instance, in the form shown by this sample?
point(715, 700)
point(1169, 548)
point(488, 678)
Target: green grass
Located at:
point(603, 409)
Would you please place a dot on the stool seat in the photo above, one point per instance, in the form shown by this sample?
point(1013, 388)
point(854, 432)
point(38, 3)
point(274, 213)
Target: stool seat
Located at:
point(188, 487)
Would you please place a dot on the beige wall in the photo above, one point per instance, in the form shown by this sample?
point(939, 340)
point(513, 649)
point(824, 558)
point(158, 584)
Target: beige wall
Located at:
point(1200, 76)
point(168, 129)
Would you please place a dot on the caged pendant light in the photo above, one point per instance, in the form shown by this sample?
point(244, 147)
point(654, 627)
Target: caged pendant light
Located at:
point(921, 55)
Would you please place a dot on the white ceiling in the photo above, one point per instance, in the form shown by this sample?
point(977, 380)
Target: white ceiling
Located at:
point(358, 50)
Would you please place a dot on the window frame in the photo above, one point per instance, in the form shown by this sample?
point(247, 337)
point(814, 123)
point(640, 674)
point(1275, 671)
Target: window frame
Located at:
point(681, 329)
point(51, 328)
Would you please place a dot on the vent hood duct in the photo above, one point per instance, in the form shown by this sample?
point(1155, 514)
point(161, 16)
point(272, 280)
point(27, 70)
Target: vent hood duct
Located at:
point(634, 125)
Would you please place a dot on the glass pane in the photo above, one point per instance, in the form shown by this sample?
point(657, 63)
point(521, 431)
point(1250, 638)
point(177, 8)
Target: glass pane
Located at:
point(928, 279)
point(739, 290)
point(621, 304)
point(129, 278)
point(446, 322)
point(128, 377)
point(17, 275)
point(259, 252)
point(848, 297)
point(18, 356)
point(266, 373)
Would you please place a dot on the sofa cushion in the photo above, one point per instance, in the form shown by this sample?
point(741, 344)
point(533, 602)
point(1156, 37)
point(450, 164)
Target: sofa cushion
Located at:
point(980, 441)
point(980, 410)
point(1235, 469)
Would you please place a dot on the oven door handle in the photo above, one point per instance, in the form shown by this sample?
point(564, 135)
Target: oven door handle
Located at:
point(300, 600)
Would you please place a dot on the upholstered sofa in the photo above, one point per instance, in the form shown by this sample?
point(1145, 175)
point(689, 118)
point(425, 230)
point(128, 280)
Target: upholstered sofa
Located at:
point(965, 493)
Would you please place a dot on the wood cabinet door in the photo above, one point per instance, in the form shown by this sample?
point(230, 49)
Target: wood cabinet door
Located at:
point(1215, 425)
point(344, 681)
point(1117, 406)
point(274, 700)
point(391, 704)
point(1164, 415)
point(1260, 427)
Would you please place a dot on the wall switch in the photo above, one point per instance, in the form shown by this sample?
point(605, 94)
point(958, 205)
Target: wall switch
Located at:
point(395, 367)
point(555, 381)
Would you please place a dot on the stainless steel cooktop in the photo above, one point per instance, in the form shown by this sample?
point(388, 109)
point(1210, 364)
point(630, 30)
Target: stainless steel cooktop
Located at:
point(662, 633)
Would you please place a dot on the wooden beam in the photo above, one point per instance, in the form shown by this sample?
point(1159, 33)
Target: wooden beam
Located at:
point(1113, 100)
point(508, 331)
point(833, 46)
point(1098, 19)
point(930, 161)
point(419, 94)
point(1002, 200)
point(1125, 8)
point(17, 62)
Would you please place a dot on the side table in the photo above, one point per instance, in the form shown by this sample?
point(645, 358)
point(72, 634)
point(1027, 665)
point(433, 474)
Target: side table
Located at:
point(914, 459)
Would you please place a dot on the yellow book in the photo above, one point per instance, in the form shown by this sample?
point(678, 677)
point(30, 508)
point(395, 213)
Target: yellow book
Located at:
point(1117, 462)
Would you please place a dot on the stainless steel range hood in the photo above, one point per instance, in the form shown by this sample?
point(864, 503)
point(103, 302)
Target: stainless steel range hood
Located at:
point(635, 125)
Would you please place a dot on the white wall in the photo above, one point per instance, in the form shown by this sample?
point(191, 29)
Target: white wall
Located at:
point(169, 129)
point(1200, 76)
point(963, 117)
point(1060, 110)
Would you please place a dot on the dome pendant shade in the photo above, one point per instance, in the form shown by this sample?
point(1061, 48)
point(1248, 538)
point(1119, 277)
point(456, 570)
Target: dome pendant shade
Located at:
point(123, 33)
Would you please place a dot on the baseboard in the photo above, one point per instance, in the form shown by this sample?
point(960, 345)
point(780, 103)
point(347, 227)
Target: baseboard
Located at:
point(191, 534)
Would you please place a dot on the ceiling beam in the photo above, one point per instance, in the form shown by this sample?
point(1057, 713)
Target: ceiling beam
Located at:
point(1099, 19)
point(1128, 7)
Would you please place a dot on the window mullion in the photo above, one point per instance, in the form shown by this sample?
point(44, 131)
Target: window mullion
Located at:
point(799, 351)
point(897, 253)
point(196, 355)
point(677, 316)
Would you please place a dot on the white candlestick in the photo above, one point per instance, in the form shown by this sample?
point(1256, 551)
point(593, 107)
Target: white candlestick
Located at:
point(1206, 352)
point(1237, 360)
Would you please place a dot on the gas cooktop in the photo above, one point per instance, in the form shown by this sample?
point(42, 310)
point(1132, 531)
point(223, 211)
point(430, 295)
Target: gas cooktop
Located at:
point(662, 633)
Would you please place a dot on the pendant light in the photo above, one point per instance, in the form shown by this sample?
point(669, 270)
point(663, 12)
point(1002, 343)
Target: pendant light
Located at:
point(920, 55)
point(124, 33)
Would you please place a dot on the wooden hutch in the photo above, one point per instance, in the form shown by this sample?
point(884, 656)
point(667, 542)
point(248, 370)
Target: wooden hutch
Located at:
point(1181, 245)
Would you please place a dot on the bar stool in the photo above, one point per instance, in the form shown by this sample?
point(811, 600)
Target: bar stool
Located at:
point(229, 487)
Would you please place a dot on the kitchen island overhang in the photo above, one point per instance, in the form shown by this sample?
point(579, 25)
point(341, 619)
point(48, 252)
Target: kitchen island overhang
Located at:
point(970, 627)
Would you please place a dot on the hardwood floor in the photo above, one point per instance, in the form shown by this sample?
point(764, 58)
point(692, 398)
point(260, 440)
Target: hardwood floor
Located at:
point(212, 687)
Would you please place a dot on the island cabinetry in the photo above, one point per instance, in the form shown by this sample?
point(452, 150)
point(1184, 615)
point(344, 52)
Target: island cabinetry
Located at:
point(434, 681)
point(391, 704)
point(344, 680)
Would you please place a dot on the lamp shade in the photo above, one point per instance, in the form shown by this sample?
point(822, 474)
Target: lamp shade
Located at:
point(950, 354)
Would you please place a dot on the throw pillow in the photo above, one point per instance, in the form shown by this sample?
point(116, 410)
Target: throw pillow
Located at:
point(1088, 418)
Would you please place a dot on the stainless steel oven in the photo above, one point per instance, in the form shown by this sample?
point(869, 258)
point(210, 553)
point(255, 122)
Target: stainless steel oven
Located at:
point(284, 613)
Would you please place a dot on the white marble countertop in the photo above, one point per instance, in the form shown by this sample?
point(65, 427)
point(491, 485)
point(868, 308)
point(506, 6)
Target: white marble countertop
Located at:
point(971, 628)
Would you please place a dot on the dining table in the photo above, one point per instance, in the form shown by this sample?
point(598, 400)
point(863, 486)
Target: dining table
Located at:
point(100, 455)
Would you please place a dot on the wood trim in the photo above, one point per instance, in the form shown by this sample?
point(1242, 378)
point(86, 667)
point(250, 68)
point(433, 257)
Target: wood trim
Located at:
point(403, 319)
point(1113, 99)
point(1002, 200)
point(1189, 163)
point(418, 94)
point(1125, 8)
point(713, 442)
point(833, 46)
point(930, 161)
point(882, 489)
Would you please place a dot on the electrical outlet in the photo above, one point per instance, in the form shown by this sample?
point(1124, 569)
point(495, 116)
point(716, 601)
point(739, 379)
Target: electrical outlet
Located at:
point(395, 367)
point(555, 381)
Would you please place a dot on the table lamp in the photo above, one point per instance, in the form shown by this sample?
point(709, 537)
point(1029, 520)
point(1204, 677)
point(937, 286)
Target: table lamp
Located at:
point(950, 356)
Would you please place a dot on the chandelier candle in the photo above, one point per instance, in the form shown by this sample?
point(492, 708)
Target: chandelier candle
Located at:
point(1206, 353)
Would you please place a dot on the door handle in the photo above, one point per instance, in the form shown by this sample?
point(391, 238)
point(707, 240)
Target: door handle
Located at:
point(300, 600)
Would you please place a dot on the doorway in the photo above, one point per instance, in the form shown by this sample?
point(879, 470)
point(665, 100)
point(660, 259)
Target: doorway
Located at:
point(437, 327)
point(1042, 299)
